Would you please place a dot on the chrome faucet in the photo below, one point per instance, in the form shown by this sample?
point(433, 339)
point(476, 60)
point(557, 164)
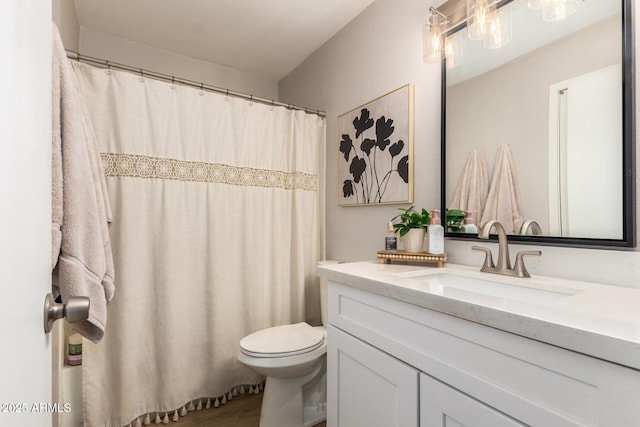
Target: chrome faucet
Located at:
point(504, 262)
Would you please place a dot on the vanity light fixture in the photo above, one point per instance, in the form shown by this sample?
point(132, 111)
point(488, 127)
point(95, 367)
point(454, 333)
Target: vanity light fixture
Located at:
point(498, 28)
point(484, 22)
point(436, 44)
point(487, 22)
point(433, 34)
point(479, 13)
point(453, 51)
point(554, 10)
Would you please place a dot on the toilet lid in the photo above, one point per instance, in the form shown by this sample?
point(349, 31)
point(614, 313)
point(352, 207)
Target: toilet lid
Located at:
point(286, 340)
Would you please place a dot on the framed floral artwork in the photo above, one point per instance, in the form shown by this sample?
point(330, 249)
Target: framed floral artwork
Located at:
point(375, 153)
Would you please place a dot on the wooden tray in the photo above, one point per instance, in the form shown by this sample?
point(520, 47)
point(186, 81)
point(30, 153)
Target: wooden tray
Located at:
point(385, 257)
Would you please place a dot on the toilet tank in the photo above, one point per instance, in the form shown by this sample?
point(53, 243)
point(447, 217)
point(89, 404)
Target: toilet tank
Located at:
point(324, 311)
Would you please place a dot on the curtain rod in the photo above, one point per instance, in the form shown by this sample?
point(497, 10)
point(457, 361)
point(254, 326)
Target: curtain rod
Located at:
point(71, 54)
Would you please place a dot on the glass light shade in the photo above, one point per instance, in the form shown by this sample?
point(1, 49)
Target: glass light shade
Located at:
point(453, 51)
point(498, 28)
point(535, 4)
point(556, 10)
point(478, 12)
point(433, 39)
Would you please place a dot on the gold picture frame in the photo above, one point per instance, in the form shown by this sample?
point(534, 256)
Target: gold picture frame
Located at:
point(375, 151)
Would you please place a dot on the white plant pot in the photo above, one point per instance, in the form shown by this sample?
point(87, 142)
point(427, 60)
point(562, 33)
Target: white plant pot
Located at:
point(413, 241)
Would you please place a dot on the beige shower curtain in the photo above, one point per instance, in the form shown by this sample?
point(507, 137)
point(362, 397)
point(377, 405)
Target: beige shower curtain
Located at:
point(215, 235)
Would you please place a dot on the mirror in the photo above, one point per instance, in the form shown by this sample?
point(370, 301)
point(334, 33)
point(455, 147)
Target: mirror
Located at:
point(551, 114)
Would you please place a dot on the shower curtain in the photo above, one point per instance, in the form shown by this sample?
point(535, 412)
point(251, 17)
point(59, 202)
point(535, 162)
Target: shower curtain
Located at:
point(216, 234)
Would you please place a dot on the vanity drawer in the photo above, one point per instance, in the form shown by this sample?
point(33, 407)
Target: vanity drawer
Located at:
point(533, 382)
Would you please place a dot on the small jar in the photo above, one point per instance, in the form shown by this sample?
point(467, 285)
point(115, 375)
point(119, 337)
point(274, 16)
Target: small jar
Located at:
point(74, 353)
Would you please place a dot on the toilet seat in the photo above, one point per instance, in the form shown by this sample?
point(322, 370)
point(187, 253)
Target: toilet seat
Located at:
point(283, 341)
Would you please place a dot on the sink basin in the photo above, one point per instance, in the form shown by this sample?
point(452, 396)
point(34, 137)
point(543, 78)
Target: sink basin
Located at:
point(526, 292)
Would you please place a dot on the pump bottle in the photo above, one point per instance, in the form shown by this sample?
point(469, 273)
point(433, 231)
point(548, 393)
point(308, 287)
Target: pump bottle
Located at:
point(469, 223)
point(436, 233)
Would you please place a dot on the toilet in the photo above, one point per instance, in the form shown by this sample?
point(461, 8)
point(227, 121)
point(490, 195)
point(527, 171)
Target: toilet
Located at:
point(293, 358)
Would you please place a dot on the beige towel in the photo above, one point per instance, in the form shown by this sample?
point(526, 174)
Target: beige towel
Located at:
point(473, 186)
point(503, 202)
point(81, 256)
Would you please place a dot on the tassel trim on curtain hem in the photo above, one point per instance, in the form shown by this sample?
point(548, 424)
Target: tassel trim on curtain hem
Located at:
point(164, 417)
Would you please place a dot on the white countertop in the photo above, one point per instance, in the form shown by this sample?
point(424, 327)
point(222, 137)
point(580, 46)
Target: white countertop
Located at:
point(599, 320)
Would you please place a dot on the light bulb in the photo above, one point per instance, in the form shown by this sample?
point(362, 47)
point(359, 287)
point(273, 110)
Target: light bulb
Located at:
point(478, 12)
point(535, 4)
point(498, 28)
point(432, 39)
point(556, 10)
point(453, 51)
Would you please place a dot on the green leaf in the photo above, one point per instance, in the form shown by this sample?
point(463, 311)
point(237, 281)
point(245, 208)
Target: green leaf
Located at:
point(410, 218)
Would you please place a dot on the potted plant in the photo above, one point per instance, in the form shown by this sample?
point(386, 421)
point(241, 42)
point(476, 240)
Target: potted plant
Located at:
point(411, 226)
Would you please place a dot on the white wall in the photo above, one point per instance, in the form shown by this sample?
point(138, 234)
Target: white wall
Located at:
point(127, 52)
point(105, 46)
point(381, 50)
point(64, 15)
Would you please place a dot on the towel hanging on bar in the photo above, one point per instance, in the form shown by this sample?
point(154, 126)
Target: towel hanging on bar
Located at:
point(81, 255)
point(471, 191)
point(503, 201)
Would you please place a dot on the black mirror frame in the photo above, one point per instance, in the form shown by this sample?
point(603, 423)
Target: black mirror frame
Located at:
point(628, 239)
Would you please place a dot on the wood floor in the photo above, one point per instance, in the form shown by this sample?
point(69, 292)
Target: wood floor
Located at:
point(242, 411)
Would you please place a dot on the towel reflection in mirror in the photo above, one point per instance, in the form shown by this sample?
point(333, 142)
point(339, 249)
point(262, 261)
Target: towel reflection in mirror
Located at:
point(498, 201)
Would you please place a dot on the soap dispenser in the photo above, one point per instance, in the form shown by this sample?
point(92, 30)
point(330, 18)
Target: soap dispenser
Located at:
point(436, 233)
point(469, 223)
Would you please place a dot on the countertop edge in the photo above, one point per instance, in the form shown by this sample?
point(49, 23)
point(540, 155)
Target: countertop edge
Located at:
point(593, 344)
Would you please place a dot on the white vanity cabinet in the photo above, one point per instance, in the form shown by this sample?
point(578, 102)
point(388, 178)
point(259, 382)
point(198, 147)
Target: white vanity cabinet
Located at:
point(378, 389)
point(391, 363)
point(442, 405)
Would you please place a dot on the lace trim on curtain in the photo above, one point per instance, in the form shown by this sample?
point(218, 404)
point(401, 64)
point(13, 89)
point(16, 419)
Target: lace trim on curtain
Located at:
point(194, 405)
point(133, 165)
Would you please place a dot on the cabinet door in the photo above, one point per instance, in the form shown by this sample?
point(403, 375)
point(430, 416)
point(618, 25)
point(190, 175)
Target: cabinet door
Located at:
point(444, 406)
point(367, 387)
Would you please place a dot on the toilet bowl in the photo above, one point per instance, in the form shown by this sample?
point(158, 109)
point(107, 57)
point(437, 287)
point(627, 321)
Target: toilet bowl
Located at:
point(293, 359)
point(295, 367)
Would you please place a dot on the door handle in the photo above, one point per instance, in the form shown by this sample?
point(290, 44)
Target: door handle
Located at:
point(75, 310)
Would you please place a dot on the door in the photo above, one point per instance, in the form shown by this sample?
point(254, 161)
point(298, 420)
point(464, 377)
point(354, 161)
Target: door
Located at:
point(25, 218)
point(367, 387)
point(441, 405)
point(585, 161)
